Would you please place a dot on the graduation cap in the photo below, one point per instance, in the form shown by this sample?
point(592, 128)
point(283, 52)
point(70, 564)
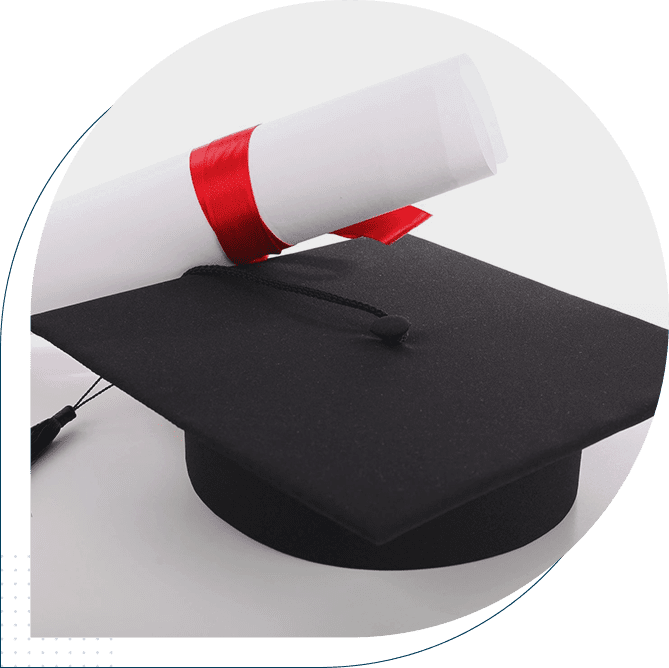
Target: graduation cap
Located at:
point(375, 407)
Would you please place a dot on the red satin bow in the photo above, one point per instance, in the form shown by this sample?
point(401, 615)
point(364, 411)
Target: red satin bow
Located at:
point(220, 174)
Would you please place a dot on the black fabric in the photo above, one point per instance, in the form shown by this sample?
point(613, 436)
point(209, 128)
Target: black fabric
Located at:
point(502, 520)
point(500, 376)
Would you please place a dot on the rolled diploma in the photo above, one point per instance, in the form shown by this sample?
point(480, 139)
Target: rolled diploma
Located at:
point(316, 171)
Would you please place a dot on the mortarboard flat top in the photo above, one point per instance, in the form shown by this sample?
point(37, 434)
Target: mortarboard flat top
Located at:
point(313, 436)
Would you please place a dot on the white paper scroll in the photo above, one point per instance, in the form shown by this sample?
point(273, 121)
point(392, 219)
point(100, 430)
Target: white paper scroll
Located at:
point(375, 150)
point(353, 158)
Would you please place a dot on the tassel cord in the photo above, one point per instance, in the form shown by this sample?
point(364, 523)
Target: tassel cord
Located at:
point(83, 399)
point(43, 434)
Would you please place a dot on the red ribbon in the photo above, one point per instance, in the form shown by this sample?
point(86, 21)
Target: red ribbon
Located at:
point(220, 174)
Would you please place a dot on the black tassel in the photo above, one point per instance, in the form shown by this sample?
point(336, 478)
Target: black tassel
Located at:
point(43, 433)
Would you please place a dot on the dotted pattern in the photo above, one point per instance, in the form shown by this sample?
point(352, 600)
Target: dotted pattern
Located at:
point(19, 648)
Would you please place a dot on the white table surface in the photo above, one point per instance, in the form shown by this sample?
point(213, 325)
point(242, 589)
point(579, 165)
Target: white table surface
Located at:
point(122, 546)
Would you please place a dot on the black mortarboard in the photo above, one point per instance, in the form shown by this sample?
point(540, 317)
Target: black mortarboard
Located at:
point(316, 437)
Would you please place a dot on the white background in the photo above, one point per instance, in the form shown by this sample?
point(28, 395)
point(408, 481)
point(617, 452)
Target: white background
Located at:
point(121, 546)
